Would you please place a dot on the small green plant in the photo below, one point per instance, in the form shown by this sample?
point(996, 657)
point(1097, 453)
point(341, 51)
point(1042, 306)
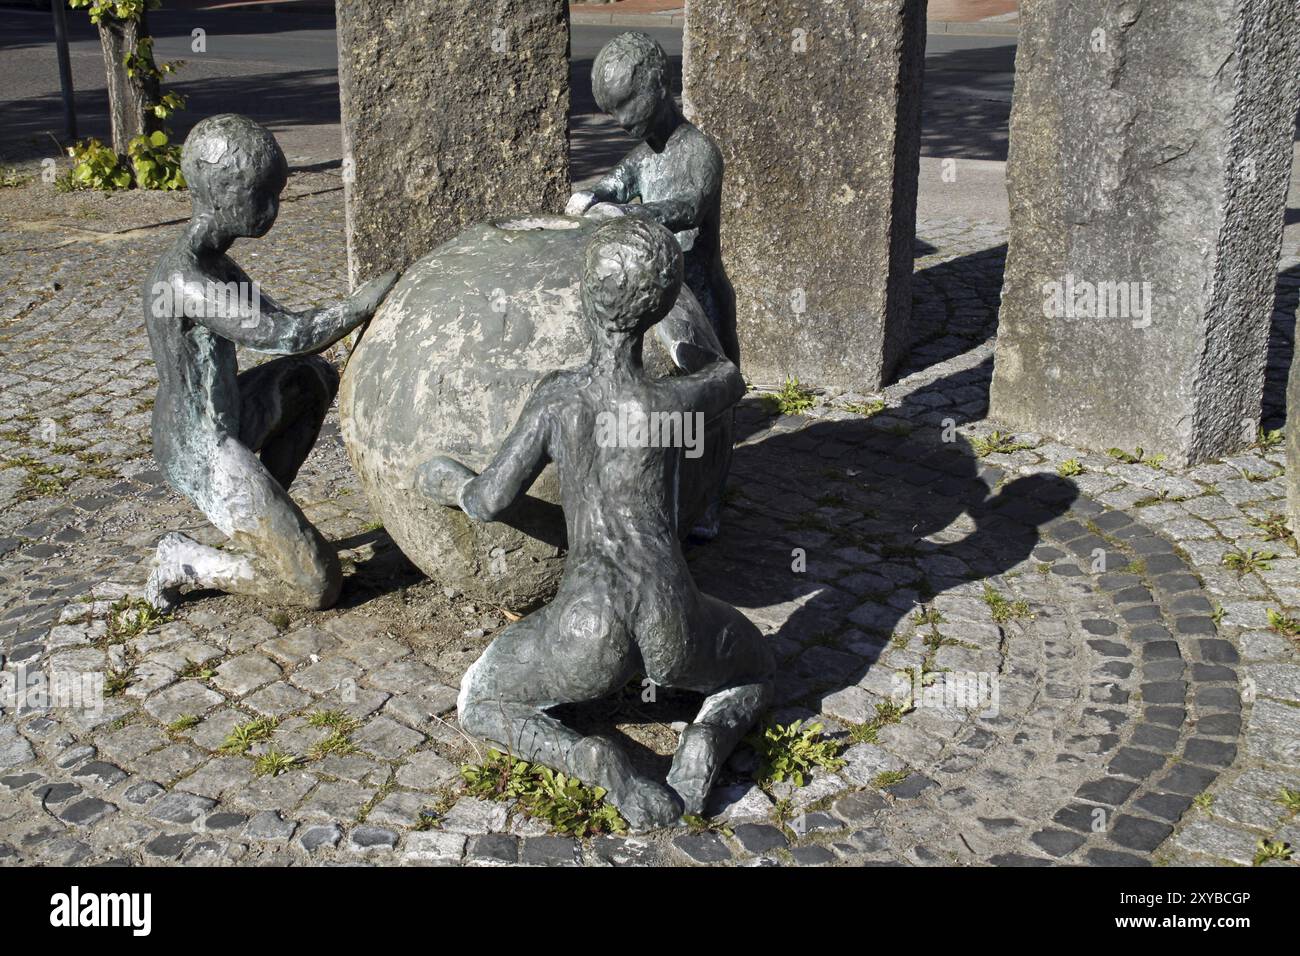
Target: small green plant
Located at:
point(339, 720)
point(1266, 850)
point(999, 443)
point(1070, 468)
point(1127, 457)
point(336, 744)
point(280, 619)
point(927, 615)
point(791, 752)
point(1280, 623)
point(130, 617)
point(887, 778)
point(1290, 800)
point(887, 712)
point(117, 680)
point(182, 724)
point(1274, 528)
point(10, 178)
point(1244, 561)
point(1270, 439)
point(1217, 614)
point(156, 162)
point(273, 763)
point(545, 794)
point(196, 671)
point(1203, 801)
point(866, 409)
point(244, 735)
point(1002, 609)
point(96, 166)
point(792, 399)
point(1136, 566)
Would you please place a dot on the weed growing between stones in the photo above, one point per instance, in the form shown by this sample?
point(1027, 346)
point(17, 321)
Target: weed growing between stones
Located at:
point(1266, 850)
point(244, 735)
point(130, 617)
point(182, 724)
point(273, 763)
point(1290, 801)
point(1136, 457)
point(1002, 609)
point(1275, 529)
point(792, 399)
point(887, 712)
point(1070, 468)
point(1270, 439)
point(1280, 623)
point(999, 443)
point(560, 801)
point(1247, 560)
point(792, 751)
point(866, 409)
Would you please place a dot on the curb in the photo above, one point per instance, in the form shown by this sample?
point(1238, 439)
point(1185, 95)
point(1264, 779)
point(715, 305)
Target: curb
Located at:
point(592, 18)
point(990, 28)
point(987, 28)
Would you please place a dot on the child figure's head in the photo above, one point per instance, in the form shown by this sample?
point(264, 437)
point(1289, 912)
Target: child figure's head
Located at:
point(630, 82)
point(235, 171)
point(631, 276)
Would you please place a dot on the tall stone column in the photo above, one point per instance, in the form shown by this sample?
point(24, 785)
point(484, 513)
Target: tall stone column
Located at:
point(817, 109)
point(453, 111)
point(1149, 162)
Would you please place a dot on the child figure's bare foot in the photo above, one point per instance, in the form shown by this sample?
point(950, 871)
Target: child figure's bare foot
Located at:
point(163, 590)
point(695, 764)
point(646, 804)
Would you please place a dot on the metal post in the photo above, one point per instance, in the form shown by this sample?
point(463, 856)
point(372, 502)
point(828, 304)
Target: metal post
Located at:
point(65, 68)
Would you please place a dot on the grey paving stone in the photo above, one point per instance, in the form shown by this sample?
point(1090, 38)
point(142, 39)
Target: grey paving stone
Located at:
point(87, 811)
point(368, 838)
point(492, 849)
point(316, 837)
point(434, 848)
point(702, 847)
point(102, 773)
point(268, 826)
point(168, 845)
point(759, 838)
point(240, 675)
point(550, 851)
point(181, 807)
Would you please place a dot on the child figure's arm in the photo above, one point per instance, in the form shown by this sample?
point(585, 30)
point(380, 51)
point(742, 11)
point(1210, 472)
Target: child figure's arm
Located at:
point(253, 319)
point(712, 390)
point(695, 188)
point(512, 471)
point(618, 186)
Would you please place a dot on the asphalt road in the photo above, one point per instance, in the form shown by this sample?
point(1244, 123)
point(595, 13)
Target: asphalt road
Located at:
point(281, 69)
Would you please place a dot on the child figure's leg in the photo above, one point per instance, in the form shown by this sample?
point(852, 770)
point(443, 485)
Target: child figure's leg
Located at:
point(576, 649)
point(285, 559)
point(733, 665)
point(283, 404)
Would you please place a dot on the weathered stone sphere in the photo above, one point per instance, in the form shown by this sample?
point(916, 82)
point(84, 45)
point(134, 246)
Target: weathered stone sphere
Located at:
point(445, 368)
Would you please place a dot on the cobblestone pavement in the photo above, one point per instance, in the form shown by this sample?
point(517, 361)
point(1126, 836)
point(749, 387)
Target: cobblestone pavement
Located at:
point(1139, 708)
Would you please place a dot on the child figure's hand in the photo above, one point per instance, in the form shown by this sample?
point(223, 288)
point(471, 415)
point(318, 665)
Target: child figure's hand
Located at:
point(579, 203)
point(441, 480)
point(366, 299)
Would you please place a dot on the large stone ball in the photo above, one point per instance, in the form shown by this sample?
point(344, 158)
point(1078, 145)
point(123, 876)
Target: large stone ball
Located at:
point(445, 368)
